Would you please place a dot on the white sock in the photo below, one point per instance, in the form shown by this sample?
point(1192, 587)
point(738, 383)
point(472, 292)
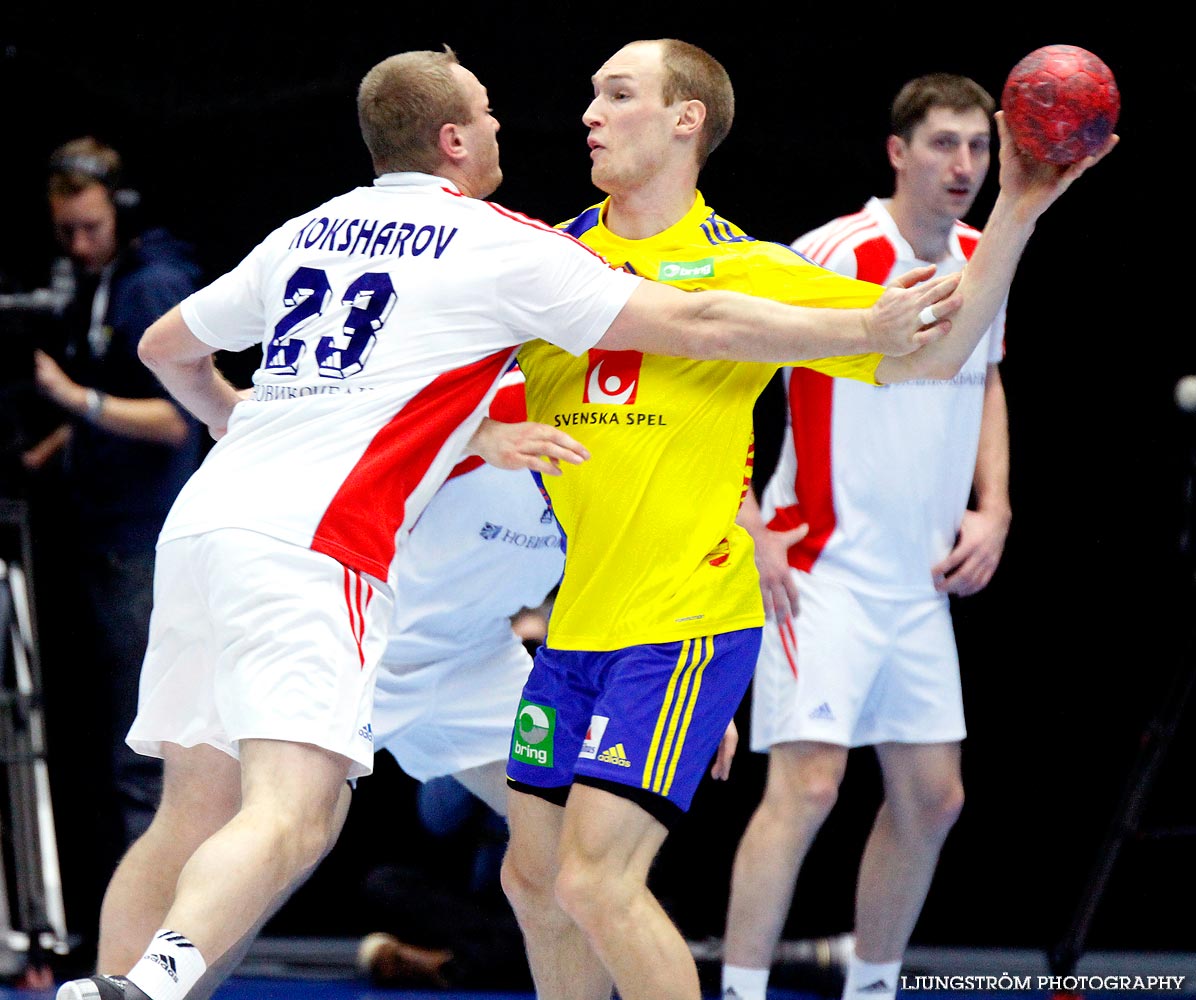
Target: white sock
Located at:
point(170, 967)
point(746, 984)
point(869, 980)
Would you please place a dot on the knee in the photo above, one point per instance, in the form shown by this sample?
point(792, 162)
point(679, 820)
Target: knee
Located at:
point(515, 885)
point(934, 808)
point(816, 794)
point(528, 887)
point(187, 820)
point(320, 833)
point(802, 795)
point(946, 806)
point(307, 843)
point(585, 894)
point(298, 838)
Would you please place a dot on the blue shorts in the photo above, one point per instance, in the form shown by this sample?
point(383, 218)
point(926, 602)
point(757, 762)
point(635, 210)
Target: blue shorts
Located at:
point(643, 722)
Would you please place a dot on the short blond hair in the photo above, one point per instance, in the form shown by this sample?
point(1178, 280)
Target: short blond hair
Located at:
point(402, 104)
point(691, 73)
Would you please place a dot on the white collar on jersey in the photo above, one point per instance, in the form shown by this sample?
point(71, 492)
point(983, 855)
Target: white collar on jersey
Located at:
point(876, 208)
point(413, 178)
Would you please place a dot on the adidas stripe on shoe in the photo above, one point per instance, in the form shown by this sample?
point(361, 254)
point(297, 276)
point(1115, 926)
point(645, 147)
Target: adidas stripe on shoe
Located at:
point(100, 988)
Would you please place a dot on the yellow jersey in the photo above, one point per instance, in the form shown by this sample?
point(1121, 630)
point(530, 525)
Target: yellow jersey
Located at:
point(652, 550)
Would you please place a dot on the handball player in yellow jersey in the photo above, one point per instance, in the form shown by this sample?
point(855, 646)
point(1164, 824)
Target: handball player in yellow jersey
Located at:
point(655, 630)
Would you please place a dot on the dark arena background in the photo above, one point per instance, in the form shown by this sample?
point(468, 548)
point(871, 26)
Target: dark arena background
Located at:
point(233, 119)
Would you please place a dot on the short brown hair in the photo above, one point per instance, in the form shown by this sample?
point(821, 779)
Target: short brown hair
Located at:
point(935, 90)
point(401, 105)
point(80, 164)
point(691, 73)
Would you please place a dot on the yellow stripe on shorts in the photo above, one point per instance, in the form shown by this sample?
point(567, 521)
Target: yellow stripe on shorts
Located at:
point(676, 714)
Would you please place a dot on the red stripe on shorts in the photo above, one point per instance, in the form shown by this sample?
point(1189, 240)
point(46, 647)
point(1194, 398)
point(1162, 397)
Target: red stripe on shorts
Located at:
point(355, 585)
point(789, 643)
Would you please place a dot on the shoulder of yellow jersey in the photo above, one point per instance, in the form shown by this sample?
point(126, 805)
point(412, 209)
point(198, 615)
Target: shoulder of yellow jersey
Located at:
point(583, 222)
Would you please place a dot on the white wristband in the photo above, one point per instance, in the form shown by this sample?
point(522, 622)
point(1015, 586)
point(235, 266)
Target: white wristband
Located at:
point(927, 317)
point(95, 405)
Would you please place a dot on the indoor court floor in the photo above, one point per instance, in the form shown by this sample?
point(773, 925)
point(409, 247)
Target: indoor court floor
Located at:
point(253, 988)
point(322, 969)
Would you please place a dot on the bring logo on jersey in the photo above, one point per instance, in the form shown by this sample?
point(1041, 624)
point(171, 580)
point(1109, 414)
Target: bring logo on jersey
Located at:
point(674, 270)
point(612, 377)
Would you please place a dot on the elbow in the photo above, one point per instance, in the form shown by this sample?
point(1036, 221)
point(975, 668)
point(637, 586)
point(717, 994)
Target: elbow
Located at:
point(704, 349)
point(150, 348)
point(705, 332)
point(708, 341)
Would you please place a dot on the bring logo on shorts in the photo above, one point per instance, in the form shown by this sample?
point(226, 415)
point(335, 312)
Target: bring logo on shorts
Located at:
point(535, 726)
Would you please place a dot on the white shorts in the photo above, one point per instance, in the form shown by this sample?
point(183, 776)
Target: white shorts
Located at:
point(856, 670)
point(444, 717)
point(253, 638)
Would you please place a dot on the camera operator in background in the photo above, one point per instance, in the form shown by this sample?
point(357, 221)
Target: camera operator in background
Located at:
point(108, 474)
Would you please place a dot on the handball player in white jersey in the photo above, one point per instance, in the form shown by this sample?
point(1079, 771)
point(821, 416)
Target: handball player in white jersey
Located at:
point(882, 479)
point(386, 317)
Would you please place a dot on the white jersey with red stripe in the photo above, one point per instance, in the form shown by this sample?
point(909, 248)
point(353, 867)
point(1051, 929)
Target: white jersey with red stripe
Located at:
point(881, 475)
point(486, 547)
point(386, 317)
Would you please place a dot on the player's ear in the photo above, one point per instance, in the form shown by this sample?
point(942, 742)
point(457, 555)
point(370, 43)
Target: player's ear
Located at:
point(691, 117)
point(451, 142)
point(895, 146)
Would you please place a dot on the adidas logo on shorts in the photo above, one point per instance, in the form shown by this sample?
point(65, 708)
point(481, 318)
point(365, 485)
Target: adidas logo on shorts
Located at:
point(615, 755)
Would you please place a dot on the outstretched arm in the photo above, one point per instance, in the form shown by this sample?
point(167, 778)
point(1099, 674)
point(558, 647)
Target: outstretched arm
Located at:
point(721, 325)
point(1028, 188)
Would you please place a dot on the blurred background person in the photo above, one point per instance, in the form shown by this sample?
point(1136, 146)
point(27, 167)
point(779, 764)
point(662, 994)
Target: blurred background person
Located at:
point(882, 478)
point(106, 473)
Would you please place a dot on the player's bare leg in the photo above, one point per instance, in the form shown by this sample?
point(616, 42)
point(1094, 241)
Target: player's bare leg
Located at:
point(923, 798)
point(801, 788)
point(289, 796)
point(563, 965)
point(488, 782)
point(219, 971)
point(293, 801)
point(607, 847)
point(201, 791)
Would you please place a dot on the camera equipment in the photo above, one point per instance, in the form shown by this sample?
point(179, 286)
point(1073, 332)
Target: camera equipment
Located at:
point(53, 300)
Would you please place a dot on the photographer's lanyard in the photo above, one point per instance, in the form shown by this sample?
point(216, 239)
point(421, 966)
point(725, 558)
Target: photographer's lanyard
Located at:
point(99, 334)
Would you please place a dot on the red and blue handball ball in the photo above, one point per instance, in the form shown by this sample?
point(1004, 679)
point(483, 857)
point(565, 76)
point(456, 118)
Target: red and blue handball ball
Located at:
point(1061, 103)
